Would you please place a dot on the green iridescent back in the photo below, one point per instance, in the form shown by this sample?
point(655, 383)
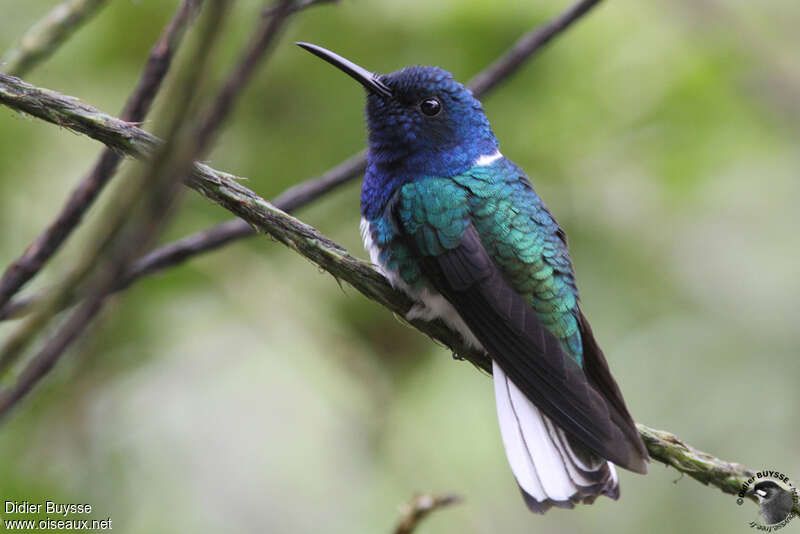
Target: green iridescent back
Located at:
point(514, 225)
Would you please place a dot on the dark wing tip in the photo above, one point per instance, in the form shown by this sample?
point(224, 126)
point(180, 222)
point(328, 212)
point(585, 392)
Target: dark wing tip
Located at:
point(599, 374)
point(540, 507)
point(638, 464)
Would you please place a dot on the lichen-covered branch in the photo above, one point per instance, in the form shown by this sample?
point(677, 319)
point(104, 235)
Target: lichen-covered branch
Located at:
point(44, 37)
point(223, 189)
point(317, 248)
point(70, 112)
point(669, 449)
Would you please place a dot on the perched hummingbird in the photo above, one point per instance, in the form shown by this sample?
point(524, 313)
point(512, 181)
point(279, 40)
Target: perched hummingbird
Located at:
point(457, 226)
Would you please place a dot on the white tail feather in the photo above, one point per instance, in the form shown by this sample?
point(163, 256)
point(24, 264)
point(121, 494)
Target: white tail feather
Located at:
point(513, 441)
point(540, 447)
point(541, 458)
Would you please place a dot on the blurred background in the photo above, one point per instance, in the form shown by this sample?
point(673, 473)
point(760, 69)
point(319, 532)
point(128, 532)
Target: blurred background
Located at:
point(247, 391)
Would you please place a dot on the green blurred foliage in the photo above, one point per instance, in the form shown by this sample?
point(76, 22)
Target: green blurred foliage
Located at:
point(246, 391)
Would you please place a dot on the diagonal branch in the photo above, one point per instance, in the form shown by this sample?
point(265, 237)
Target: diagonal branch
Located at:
point(266, 33)
point(527, 45)
point(217, 236)
point(203, 241)
point(161, 258)
point(223, 189)
point(44, 37)
point(207, 240)
point(171, 163)
point(21, 270)
point(299, 5)
point(136, 215)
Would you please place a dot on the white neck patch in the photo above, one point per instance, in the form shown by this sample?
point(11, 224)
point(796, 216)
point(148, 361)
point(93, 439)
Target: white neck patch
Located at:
point(486, 159)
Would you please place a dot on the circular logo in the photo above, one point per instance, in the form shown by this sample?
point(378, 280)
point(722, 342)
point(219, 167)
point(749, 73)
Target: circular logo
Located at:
point(776, 496)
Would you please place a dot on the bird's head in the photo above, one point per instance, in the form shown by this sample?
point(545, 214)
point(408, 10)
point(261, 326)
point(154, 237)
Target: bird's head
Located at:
point(420, 119)
point(766, 490)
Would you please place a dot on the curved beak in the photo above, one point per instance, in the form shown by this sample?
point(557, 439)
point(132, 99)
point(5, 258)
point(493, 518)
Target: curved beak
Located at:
point(363, 76)
point(757, 493)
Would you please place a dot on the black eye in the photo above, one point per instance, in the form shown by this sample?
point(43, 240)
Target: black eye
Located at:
point(430, 106)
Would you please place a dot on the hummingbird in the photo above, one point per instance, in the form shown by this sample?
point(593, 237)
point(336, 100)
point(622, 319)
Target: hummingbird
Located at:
point(458, 227)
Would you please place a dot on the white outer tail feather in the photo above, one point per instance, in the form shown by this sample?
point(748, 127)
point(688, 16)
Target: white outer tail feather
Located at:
point(546, 469)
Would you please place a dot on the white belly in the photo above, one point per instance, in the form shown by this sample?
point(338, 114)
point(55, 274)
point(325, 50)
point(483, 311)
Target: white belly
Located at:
point(430, 304)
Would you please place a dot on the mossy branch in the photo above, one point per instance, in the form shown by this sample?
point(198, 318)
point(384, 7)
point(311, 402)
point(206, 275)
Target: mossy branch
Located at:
point(223, 189)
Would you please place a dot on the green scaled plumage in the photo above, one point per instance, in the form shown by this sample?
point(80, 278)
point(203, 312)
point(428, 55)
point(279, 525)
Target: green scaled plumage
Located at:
point(514, 226)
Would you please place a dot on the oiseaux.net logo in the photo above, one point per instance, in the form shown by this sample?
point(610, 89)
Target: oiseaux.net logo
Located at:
point(777, 497)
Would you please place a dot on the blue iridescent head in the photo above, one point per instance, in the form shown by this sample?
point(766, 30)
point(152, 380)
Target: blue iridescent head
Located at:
point(421, 123)
point(431, 124)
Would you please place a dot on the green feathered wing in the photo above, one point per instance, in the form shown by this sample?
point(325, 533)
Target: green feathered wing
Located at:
point(488, 244)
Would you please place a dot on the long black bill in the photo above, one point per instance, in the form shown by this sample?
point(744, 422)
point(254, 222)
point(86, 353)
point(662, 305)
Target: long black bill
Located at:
point(363, 76)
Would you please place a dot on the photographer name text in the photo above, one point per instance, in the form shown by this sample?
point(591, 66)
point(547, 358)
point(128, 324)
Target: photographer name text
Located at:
point(58, 514)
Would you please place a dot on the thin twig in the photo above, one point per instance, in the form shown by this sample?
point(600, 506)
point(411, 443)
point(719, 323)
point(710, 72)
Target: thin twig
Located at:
point(310, 190)
point(266, 33)
point(44, 37)
point(527, 45)
point(20, 271)
point(159, 61)
point(419, 508)
point(299, 5)
point(161, 258)
point(21, 306)
point(225, 190)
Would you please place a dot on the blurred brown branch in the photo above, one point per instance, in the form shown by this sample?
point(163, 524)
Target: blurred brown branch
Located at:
point(175, 253)
point(419, 508)
point(266, 32)
point(529, 43)
point(135, 217)
point(44, 37)
point(161, 258)
point(299, 5)
point(299, 195)
point(21, 270)
point(172, 161)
